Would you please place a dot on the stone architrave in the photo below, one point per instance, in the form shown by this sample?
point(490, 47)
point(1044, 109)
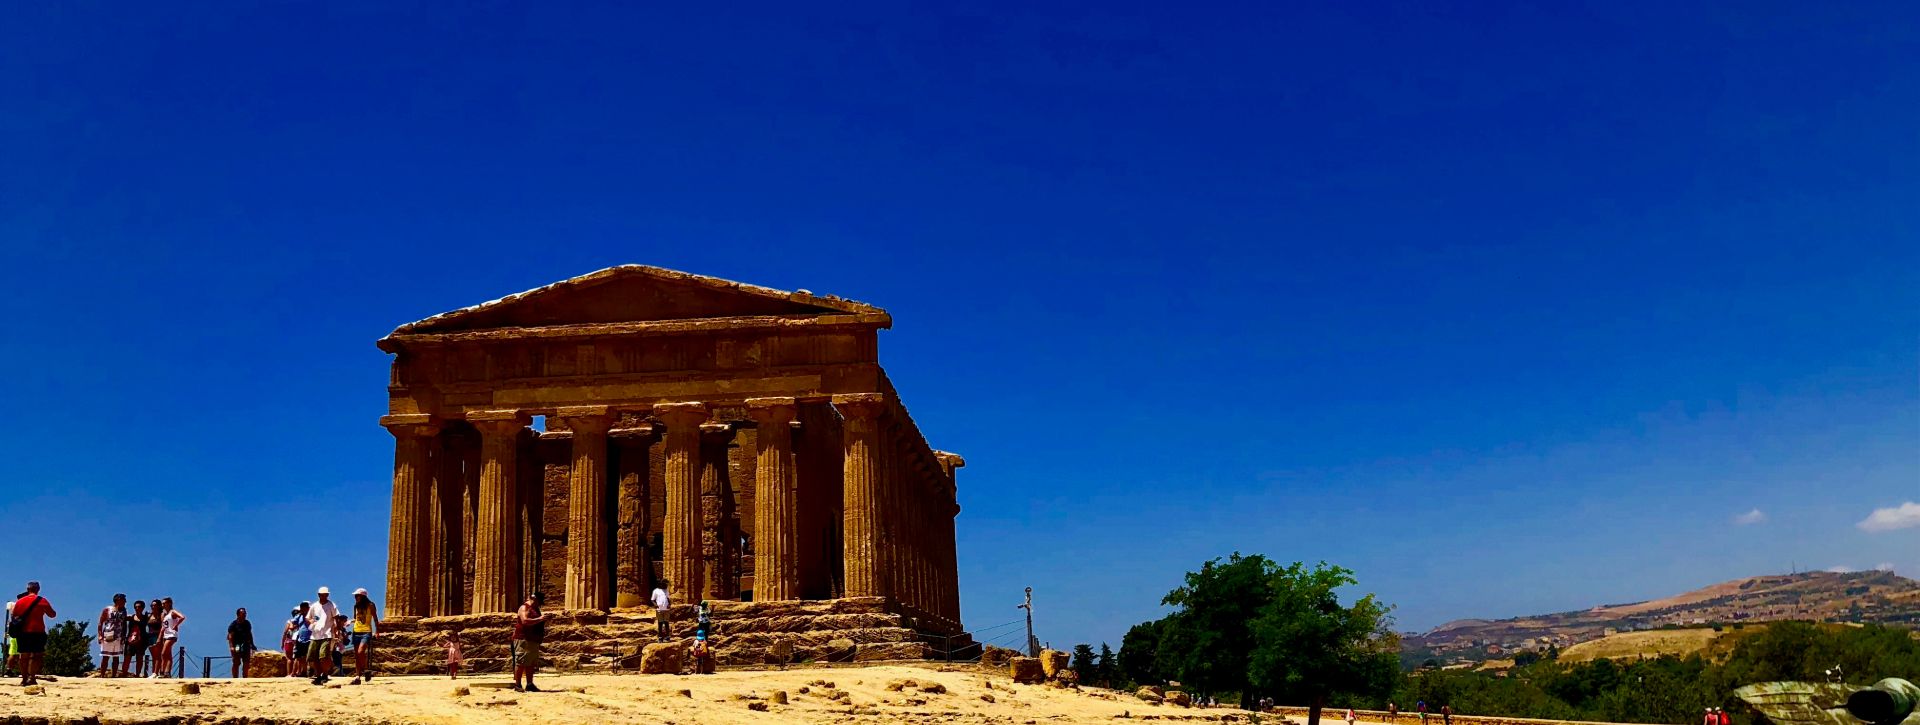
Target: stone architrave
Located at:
point(589, 585)
point(496, 563)
point(408, 542)
point(680, 543)
point(861, 502)
point(776, 554)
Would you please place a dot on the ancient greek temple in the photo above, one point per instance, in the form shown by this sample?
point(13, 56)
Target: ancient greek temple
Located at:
point(594, 436)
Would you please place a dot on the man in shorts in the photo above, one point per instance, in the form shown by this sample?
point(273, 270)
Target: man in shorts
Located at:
point(240, 642)
point(31, 611)
point(529, 630)
point(112, 632)
point(320, 624)
point(663, 624)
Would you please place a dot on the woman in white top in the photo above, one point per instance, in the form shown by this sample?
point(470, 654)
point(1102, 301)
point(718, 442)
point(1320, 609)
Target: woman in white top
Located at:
point(169, 634)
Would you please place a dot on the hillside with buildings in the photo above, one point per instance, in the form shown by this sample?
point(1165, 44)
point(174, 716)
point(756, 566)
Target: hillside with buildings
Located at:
point(1872, 596)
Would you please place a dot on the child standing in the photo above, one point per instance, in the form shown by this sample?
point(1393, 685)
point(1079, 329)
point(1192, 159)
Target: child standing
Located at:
point(452, 643)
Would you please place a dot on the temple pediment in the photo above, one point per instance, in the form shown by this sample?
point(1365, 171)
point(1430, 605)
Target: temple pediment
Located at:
point(633, 294)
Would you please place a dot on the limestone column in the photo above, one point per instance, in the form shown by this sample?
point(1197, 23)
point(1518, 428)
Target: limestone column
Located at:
point(861, 502)
point(589, 585)
point(776, 516)
point(632, 572)
point(496, 539)
point(947, 508)
point(446, 559)
point(680, 542)
point(719, 529)
point(409, 538)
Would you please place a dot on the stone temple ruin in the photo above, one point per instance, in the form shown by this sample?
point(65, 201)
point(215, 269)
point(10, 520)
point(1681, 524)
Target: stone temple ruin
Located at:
point(741, 442)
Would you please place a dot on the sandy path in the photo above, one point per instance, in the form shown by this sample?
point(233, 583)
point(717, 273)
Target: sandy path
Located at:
point(605, 699)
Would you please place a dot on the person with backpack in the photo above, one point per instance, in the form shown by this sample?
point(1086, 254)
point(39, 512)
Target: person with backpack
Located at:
point(111, 632)
point(28, 629)
point(529, 630)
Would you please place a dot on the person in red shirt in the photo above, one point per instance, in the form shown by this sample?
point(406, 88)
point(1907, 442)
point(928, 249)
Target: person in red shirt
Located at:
point(31, 611)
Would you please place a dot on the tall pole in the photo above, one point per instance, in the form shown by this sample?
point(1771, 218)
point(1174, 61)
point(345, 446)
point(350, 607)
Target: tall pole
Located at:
point(1033, 645)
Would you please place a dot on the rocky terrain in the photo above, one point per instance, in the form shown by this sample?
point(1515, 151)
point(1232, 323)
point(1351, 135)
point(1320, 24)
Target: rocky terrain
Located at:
point(1873, 596)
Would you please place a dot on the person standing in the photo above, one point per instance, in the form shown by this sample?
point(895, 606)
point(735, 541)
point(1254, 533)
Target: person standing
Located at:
point(1351, 717)
point(1393, 712)
point(111, 629)
point(286, 639)
point(240, 642)
point(28, 626)
point(661, 605)
point(366, 617)
point(152, 637)
point(320, 617)
point(339, 645)
point(169, 633)
point(1725, 718)
point(1446, 714)
point(134, 662)
point(454, 656)
point(529, 630)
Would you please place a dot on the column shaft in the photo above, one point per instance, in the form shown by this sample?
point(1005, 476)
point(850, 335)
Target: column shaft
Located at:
point(496, 565)
point(680, 542)
point(407, 542)
point(776, 516)
point(632, 577)
point(588, 583)
point(861, 508)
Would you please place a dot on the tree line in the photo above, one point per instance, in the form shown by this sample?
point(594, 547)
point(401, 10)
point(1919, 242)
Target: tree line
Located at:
point(1246, 628)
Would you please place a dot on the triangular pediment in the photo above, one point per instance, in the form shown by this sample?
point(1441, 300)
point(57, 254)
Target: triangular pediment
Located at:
point(633, 293)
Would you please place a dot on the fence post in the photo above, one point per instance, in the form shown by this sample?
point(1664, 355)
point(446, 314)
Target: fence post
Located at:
point(206, 668)
point(181, 671)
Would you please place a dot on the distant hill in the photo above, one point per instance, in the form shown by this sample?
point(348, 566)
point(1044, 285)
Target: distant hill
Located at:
point(1873, 596)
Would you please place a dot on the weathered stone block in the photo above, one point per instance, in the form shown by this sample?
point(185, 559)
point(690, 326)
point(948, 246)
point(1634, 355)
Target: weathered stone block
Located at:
point(1052, 661)
point(1026, 670)
point(663, 658)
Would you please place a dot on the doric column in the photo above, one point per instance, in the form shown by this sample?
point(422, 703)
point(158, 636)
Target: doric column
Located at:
point(719, 528)
point(865, 570)
point(409, 538)
point(496, 536)
point(946, 508)
point(445, 560)
point(680, 543)
point(632, 573)
point(589, 585)
point(776, 515)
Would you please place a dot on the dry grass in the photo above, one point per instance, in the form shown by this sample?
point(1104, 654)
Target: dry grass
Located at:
point(1638, 645)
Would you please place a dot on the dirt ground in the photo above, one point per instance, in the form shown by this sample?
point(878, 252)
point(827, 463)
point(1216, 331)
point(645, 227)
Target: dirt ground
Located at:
point(600, 699)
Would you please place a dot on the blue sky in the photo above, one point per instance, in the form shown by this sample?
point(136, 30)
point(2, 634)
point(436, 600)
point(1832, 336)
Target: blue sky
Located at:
point(1509, 310)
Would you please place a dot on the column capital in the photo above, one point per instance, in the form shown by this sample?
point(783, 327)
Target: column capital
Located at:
point(950, 460)
point(498, 421)
point(772, 411)
point(860, 405)
point(410, 424)
point(586, 418)
point(681, 414)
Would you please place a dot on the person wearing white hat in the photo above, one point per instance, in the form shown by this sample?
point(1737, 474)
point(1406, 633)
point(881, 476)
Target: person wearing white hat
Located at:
point(366, 618)
point(320, 618)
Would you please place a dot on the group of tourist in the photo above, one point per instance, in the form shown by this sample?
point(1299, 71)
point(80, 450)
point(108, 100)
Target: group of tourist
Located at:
point(1717, 716)
point(317, 637)
point(142, 642)
point(1393, 713)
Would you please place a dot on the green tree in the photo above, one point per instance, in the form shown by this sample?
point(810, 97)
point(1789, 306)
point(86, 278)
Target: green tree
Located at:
point(1207, 642)
point(1140, 653)
point(1107, 671)
point(1082, 662)
point(1306, 647)
point(69, 650)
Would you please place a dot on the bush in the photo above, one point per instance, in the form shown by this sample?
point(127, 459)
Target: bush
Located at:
point(69, 650)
